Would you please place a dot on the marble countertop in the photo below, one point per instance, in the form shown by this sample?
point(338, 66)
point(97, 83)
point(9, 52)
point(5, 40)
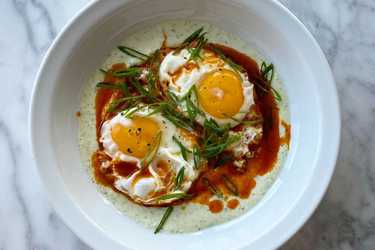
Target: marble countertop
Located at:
point(345, 219)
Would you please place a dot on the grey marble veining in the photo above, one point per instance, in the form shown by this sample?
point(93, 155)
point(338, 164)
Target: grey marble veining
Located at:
point(345, 220)
point(345, 29)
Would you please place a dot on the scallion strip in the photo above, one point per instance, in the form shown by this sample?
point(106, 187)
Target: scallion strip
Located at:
point(133, 53)
point(229, 184)
point(213, 189)
point(132, 71)
point(196, 157)
point(106, 85)
point(184, 151)
point(179, 178)
point(166, 215)
point(115, 103)
point(178, 196)
point(152, 152)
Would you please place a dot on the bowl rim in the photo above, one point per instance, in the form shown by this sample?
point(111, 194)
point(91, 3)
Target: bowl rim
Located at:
point(282, 238)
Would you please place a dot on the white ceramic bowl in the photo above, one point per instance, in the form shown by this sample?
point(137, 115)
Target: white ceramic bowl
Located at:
point(84, 43)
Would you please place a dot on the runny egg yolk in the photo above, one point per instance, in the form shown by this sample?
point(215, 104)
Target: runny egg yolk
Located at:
point(136, 139)
point(220, 93)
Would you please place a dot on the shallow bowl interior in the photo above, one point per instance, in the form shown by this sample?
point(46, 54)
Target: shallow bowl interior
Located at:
point(81, 48)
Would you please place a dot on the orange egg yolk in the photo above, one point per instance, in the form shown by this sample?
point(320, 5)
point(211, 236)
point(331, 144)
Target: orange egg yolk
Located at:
point(136, 139)
point(220, 93)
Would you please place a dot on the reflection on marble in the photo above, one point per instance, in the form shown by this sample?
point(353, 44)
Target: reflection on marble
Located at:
point(345, 219)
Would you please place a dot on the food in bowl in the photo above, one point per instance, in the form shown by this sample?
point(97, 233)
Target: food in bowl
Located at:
point(184, 123)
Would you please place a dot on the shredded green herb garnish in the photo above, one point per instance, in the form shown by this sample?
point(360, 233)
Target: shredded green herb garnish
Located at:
point(246, 122)
point(192, 109)
point(178, 196)
point(213, 189)
point(212, 127)
point(151, 83)
point(152, 151)
point(229, 184)
point(137, 85)
point(252, 122)
point(115, 103)
point(173, 99)
point(276, 94)
point(154, 59)
point(186, 43)
point(132, 71)
point(122, 86)
point(193, 36)
point(103, 71)
point(184, 151)
point(267, 72)
point(128, 112)
point(179, 178)
point(194, 43)
point(133, 53)
point(167, 213)
point(196, 157)
point(216, 138)
point(196, 51)
point(232, 64)
point(175, 117)
point(106, 85)
point(213, 150)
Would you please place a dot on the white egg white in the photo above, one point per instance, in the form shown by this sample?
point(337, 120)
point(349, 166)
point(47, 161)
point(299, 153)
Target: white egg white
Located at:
point(181, 86)
point(142, 189)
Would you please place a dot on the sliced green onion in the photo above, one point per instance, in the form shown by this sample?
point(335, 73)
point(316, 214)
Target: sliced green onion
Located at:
point(183, 149)
point(213, 189)
point(139, 87)
point(115, 103)
point(106, 85)
point(229, 184)
point(232, 64)
point(196, 157)
point(132, 71)
point(276, 94)
point(179, 178)
point(178, 196)
point(133, 53)
point(268, 71)
point(152, 151)
point(193, 36)
point(166, 215)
